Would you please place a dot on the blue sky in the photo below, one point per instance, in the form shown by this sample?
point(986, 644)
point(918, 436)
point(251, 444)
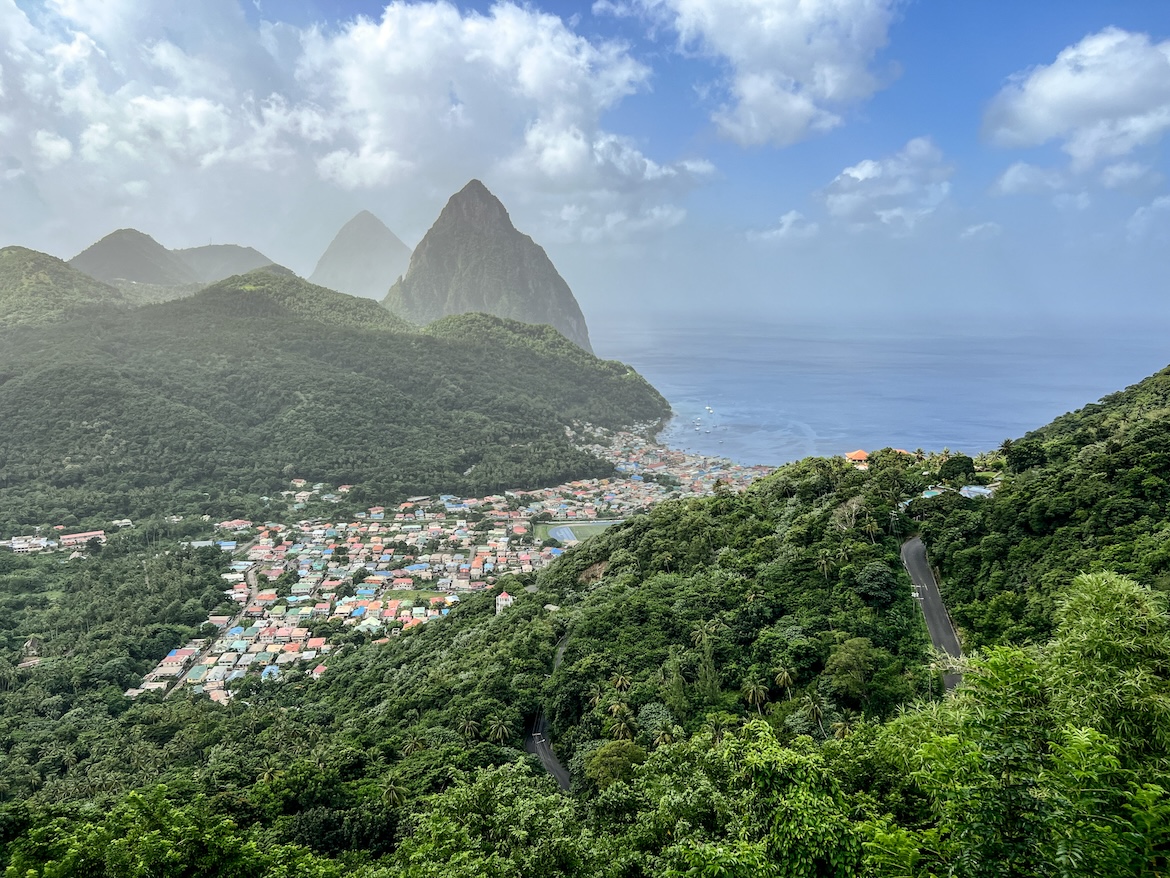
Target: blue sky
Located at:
point(772, 156)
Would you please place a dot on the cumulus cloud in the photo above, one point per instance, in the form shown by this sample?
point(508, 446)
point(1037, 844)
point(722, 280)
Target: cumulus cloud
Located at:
point(126, 101)
point(1101, 98)
point(793, 65)
point(896, 192)
point(1028, 179)
point(792, 227)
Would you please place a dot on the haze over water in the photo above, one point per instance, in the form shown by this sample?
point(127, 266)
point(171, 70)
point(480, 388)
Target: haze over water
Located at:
point(780, 392)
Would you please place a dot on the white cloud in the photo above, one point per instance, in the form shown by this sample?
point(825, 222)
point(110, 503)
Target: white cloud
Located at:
point(1129, 175)
point(199, 109)
point(981, 232)
point(51, 149)
point(794, 65)
point(1151, 220)
point(792, 227)
point(1102, 98)
point(895, 192)
point(1025, 178)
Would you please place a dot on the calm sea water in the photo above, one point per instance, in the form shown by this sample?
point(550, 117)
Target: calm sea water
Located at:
point(770, 393)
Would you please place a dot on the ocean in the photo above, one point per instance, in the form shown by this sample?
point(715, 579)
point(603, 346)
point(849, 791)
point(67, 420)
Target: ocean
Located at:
point(768, 393)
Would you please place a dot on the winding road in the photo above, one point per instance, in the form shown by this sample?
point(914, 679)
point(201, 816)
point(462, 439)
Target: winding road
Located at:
point(938, 621)
point(537, 741)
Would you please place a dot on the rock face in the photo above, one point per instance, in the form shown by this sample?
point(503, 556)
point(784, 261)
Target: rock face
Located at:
point(474, 259)
point(130, 255)
point(364, 259)
point(218, 261)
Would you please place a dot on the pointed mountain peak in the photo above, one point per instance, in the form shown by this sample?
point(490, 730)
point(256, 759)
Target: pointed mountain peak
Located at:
point(475, 203)
point(363, 259)
point(474, 259)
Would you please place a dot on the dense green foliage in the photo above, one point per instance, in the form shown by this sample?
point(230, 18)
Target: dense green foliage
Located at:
point(262, 377)
point(1033, 769)
point(36, 288)
point(1088, 492)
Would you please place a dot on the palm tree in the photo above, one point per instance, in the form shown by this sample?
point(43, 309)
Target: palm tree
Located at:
point(844, 726)
point(393, 793)
point(622, 728)
point(620, 680)
point(618, 707)
point(755, 693)
point(813, 707)
point(469, 728)
point(271, 770)
point(784, 680)
point(415, 743)
point(667, 735)
point(596, 695)
point(498, 728)
point(825, 562)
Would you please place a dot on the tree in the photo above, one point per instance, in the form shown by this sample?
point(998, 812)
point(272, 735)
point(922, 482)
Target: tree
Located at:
point(784, 680)
point(755, 693)
point(469, 728)
point(498, 728)
point(614, 762)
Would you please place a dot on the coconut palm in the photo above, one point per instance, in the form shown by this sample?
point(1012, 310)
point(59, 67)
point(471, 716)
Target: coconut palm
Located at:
point(618, 707)
point(825, 562)
point(845, 725)
point(596, 695)
point(622, 727)
point(469, 728)
point(414, 743)
point(667, 735)
point(620, 680)
point(813, 707)
point(498, 728)
point(755, 694)
point(784, 680)
point(393, 794)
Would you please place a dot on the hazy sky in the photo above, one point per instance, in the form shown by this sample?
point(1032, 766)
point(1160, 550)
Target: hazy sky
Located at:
point(741, 156)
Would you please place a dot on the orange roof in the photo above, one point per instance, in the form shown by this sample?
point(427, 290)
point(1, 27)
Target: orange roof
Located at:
point(857, 455)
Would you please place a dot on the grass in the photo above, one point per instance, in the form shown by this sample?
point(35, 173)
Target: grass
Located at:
point(582, 530)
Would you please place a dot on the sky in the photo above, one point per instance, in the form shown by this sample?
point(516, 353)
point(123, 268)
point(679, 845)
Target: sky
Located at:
point(967, 162)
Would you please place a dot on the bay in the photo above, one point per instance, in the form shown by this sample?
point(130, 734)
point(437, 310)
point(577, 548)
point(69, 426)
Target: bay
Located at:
point(763, 392)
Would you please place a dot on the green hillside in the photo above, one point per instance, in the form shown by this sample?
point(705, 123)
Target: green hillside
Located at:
point(1088, 492)
point(230, 390)
point(36, 288)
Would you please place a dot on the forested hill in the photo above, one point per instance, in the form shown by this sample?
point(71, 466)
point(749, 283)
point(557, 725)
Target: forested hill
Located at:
point(38, 288)
point(731, 702)
point(126, 413)
point(1090, 491)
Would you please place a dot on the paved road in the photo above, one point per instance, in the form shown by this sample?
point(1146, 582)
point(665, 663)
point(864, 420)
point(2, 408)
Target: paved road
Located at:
point(537, 741)
point(938, 621)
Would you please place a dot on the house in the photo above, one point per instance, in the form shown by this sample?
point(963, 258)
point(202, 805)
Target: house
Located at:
point(503, 601)
point(80, 539)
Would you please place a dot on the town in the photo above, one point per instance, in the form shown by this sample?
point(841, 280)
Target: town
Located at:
point(304, 586)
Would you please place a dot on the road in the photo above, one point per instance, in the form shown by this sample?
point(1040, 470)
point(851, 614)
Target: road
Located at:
point(537, 741)
point(938, 621)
